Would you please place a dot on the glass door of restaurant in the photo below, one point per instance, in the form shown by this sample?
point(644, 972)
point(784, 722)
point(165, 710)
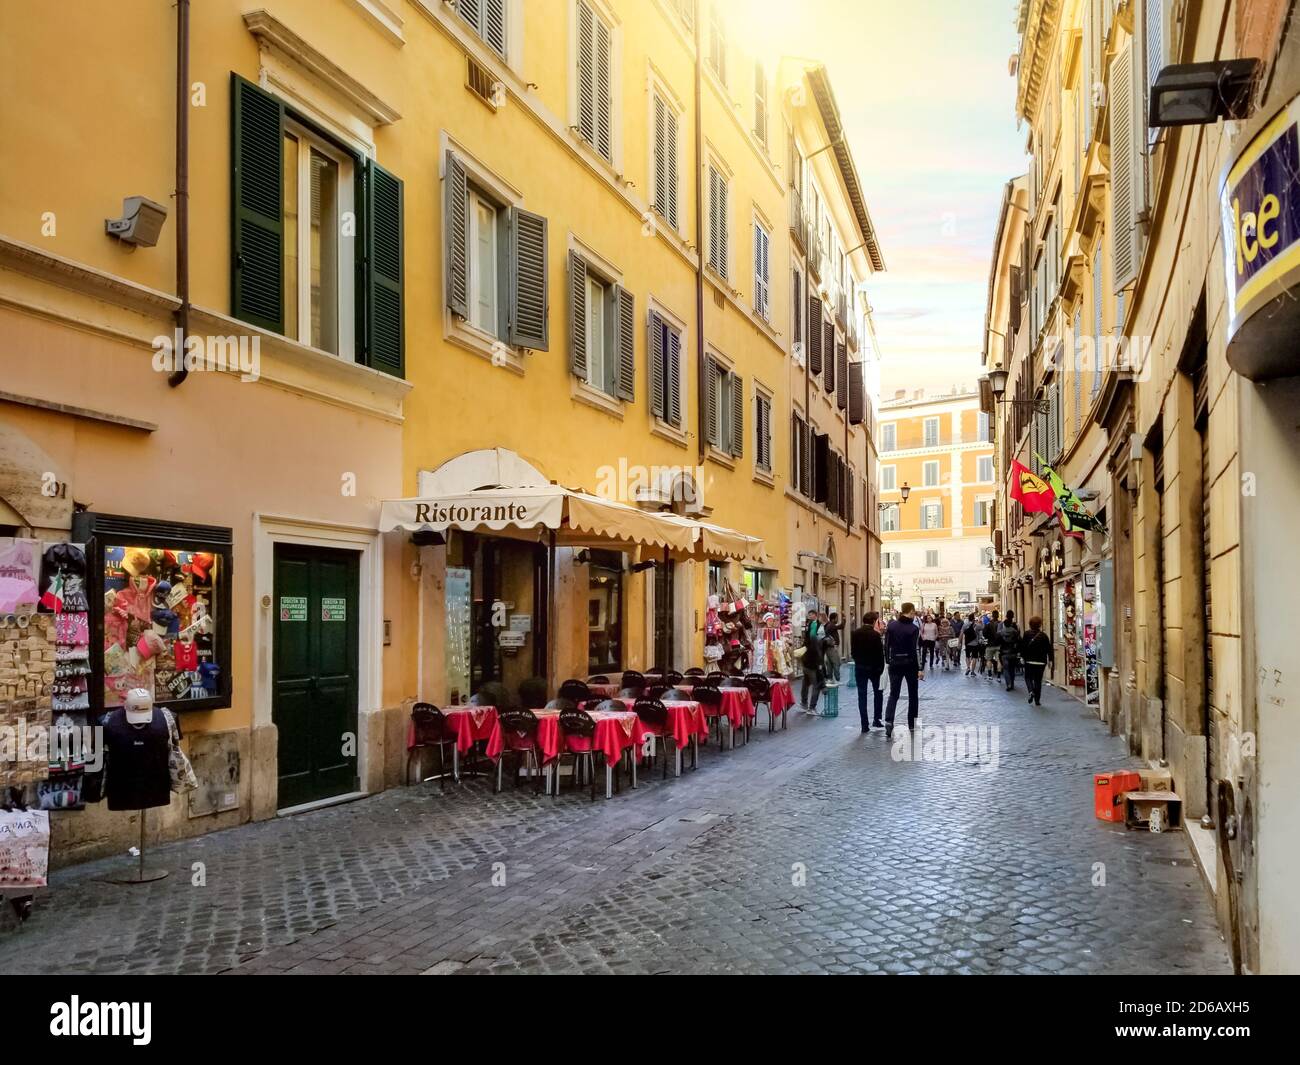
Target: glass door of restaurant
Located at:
point(662, 651)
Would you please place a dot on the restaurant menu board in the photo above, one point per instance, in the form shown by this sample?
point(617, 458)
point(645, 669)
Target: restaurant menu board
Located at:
point(459, 631)
point(160, 623)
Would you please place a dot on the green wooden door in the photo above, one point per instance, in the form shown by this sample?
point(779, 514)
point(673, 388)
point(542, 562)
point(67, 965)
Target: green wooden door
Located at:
point(314, 701)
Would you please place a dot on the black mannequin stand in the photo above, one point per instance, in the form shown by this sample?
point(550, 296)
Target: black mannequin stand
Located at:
point(141, 875)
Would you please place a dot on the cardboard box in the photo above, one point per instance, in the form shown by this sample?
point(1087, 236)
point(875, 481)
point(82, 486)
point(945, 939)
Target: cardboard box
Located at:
point(1108, 793)
point(1156, 779)
point(1138, 806)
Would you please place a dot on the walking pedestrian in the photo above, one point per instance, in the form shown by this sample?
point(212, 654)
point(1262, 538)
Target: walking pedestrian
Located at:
point(943, 636)
point(929, 636)
point(1009, 638)
point(812, 666)
point(901, 639)
point(992, 666)
point(831, 644)
point(868, 651)
point(971, 640)
point(1035, 653)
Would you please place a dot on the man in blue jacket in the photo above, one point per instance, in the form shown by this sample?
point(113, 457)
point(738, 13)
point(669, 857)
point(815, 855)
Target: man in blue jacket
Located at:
point(902, 639)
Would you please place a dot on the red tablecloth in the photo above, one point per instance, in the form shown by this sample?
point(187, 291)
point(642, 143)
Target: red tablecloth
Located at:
point(603, 691)
point(737, 705)
point(615, 733)
point(469, 724)
point(782, 696)
point(685, 719)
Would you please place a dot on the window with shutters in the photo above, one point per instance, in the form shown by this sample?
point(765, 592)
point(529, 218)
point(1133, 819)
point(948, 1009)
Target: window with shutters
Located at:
point(889, 518)
point(796, 313)
point(888, 478)
point(318, 272)
point(1096, 345)
point(891, 559)
point(799, 454)
point(984, 471)
point(717, 43)
point(724, 409)
point(983, 512)
point(1155, 33)
point(665, 370)
point(665, 169)
point(930, 474)
point(1125, 169)
point(850, 493)
point(932, 516)
point(495, 263)
point(762, 271)
point(931, 432)
point(602, 322)
point(594, 79)
point(932, 559)
point(488, 19)
point(760, 103)
point(763, 431)
point(719, 235)
point(889, 437)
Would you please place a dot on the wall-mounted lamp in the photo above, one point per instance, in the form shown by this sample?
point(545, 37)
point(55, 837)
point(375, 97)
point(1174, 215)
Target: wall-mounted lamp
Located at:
point(1194, 94)
point(997, 381)
point(141, 222)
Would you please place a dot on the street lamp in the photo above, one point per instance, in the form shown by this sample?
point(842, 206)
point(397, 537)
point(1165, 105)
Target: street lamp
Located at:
point(905, 491)
point(997, 382)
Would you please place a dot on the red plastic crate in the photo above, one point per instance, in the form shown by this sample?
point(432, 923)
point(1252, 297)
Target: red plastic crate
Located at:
point(1108, 793)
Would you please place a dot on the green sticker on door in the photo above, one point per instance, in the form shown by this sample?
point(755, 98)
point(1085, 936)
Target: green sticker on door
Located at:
point(333, 609)
point(293, 608)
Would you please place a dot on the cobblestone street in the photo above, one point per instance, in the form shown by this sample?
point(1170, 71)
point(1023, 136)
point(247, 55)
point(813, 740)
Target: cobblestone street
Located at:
point(906, 867)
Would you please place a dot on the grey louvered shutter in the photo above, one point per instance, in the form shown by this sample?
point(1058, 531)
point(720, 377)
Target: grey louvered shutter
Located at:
point(1088, 76)
point(256, 214)
point(713, 421)
point(1153, 30)
point(796, 308)
point(761, 276)
point(670, 167)
point(808, 480)
point(675, 378)
point(857, 393)
point(586, 80)
point(529, 292)
point(625, 346)
point(760, 103)
point(578, 315)
point(658, 385)
point(660, 161)
point(1124, 163)
point(494, 25)
point(456, 234)
point(384, 330)
point(828, 357)
point(737, 414)
point(814, 335)
point(842, 377)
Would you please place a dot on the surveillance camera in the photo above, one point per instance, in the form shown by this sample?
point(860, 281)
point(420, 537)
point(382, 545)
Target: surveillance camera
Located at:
point(141, 222)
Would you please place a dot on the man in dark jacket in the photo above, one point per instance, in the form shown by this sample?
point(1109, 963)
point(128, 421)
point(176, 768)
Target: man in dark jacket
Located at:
point(812, 666)
point(1036, 653)
point(902, 638)
point(1009, 636)
point(868, 651)
point(992, 647)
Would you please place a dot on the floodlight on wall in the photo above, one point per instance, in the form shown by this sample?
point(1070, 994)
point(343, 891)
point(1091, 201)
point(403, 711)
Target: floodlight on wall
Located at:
point(1194, 94)
point(141, 222)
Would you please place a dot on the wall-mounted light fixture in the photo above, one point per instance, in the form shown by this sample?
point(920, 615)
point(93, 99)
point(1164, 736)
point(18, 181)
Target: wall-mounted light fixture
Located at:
point(141, 222)
point(1194, 94)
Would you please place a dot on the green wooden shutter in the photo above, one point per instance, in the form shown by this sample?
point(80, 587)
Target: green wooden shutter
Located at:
point(529, 291)
point(456, 235)
point(658, 386)
point(384, 333)
point(713, 422)
point(674, 377)
point(256, 214)
point(624, 345)
point(578, 315)
point(737, 414)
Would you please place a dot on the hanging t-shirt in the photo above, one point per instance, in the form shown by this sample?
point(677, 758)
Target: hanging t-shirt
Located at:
point(186, 654)
point(136, 773)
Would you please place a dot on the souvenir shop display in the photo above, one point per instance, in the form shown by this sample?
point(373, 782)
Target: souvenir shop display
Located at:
point(24, 852)
point(160, 623)
point(142, 765)
point(19, 573)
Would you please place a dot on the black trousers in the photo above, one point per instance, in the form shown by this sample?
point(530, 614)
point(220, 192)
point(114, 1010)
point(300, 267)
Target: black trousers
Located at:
point(1034, 681)
point(865, 678)
point(898, 675)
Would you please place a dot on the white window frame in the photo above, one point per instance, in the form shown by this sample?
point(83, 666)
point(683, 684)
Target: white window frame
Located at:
point(888, 483)
point(925, 510)
point(985, 502)
point(599, 292)
point(763, 277)
point(346, 291)
point(889, 436)
point(891, 518)
point(475, 264)
point(925, 432)
point(979, 468)
point(716, 29)
point(925, 473)
point(931, 553)
point(763, 397)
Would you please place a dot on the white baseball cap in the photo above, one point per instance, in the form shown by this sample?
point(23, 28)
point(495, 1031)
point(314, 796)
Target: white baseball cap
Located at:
point(139, 706)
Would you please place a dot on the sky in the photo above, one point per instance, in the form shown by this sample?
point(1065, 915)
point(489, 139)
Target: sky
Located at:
point(925, 95)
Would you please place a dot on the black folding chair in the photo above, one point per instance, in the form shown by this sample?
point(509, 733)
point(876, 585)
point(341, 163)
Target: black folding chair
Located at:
point(519, 737)
point(430, 728)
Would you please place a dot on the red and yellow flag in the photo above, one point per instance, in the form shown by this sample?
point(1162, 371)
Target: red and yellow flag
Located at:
point(1030, 490)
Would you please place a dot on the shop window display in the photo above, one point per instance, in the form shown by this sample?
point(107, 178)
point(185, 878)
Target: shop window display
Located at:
point(160, 622)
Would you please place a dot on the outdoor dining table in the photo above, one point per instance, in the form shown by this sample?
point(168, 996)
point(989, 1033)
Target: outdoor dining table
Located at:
point(737, 707)
point(782, 698)
point(616, 732)
point(686, 724)
point(468, 726)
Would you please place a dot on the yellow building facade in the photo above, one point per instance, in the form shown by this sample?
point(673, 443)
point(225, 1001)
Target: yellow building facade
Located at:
point(935, 544)
point(422, 248)
point(1128, 350)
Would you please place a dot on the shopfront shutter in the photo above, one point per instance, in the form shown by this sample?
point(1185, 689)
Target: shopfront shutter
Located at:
point(529, 292)
point(456, 234)
point(625, 336)
point(674, 377)
point(384, 328)
point(257, 221)
point(1125, 170)
point(578, 315)
point(737, 414)
point(842, 376)
point(857, 393)
point(658, 390)
point(814, 335)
